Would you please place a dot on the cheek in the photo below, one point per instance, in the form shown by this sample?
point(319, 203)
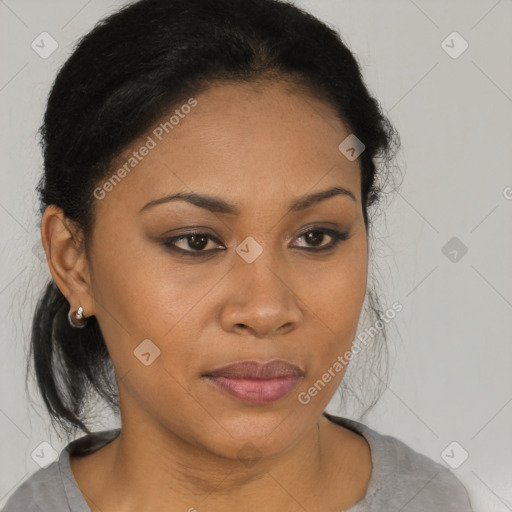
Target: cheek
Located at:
point(334, 299)
point(336, 308)
point(138, 286)
point(336, 290)
point(151, 325)
point(146, 295)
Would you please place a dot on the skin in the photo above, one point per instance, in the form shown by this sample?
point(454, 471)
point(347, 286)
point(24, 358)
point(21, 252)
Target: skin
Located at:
point(259, 146)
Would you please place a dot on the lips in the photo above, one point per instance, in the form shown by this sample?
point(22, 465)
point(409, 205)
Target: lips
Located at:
point(253, 370)
point(256, 383)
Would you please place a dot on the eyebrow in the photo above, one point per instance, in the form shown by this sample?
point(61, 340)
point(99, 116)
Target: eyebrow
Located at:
point(218, 205)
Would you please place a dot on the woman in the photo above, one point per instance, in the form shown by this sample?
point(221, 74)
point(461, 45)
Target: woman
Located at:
point(210, 168)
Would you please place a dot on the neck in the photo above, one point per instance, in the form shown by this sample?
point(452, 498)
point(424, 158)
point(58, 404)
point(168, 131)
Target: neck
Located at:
point(178, 472)
point(190, 476)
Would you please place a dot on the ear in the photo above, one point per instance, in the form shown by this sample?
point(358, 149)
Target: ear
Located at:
point(65, 254)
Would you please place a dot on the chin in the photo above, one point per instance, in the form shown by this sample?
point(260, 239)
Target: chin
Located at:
point(257, 434)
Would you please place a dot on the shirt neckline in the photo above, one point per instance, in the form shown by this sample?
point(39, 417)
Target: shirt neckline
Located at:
point(92, 442)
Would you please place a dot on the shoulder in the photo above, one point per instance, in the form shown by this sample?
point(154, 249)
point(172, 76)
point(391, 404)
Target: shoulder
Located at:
point(417, 483)
point(39, 492)
point(403, 479)
point(54, 488)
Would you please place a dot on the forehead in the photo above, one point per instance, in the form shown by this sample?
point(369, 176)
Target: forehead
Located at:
point(240, 140)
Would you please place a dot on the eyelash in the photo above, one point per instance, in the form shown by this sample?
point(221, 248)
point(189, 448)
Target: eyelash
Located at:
point(337, 237)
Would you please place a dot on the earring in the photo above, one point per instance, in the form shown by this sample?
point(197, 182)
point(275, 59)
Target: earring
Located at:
point(79, 315)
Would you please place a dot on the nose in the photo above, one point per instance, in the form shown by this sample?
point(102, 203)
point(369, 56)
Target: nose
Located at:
point(260, 300)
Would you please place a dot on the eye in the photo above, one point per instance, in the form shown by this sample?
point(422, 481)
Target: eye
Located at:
point(193, 242)
point(316, 236)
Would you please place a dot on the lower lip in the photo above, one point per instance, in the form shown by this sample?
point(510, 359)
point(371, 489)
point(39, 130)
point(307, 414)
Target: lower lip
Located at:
point(256, 391)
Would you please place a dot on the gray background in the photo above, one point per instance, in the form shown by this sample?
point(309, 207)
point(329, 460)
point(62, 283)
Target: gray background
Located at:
point(451, 343)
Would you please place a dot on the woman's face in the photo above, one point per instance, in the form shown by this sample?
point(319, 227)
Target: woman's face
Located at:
point(258, 285)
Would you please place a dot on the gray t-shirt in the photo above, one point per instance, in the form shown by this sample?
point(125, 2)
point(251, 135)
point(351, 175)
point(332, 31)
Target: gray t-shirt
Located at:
point(401, 480)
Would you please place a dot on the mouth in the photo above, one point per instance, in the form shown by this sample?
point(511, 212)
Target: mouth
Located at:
point(256, 383)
